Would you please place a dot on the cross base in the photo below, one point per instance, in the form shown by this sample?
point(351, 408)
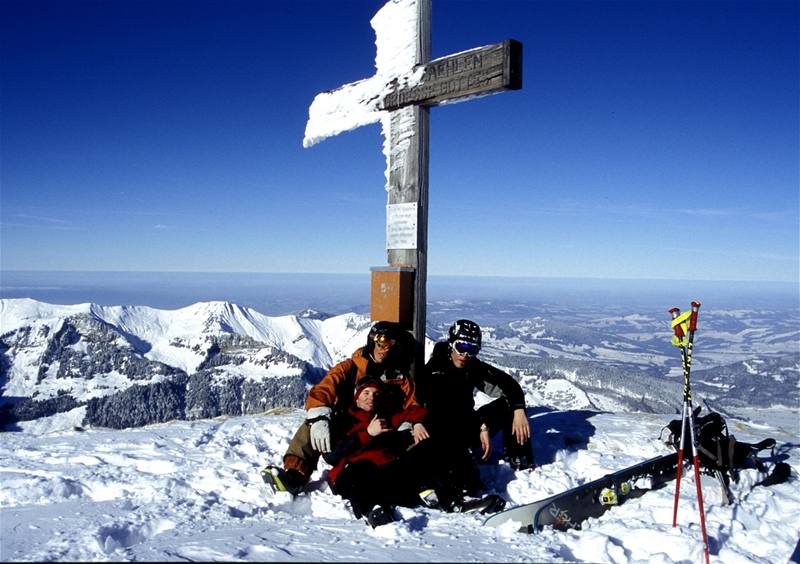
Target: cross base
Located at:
point(392, 296)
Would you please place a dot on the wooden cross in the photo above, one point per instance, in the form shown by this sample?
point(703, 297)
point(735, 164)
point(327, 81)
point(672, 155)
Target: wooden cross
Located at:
point(407, 83)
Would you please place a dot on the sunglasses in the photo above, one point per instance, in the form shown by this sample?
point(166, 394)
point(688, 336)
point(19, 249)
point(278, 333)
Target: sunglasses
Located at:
point(383, 341)
point(464, 348)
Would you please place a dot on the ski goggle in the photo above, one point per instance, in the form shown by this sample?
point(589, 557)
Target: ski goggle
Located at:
point(464, 348)
point(383, 341)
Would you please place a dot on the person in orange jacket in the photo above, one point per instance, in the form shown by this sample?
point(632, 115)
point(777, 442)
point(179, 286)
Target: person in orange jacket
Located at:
point(386, 356)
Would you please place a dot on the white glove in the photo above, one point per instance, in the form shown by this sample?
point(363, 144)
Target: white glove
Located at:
point(320, 428)
point(405, 426)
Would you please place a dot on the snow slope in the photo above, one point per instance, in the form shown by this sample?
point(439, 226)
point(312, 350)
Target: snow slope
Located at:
point(192, 491)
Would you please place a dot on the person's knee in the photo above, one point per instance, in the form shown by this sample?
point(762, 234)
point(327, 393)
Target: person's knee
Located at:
point(298, 464)
point(300, 455)
point(497, 414)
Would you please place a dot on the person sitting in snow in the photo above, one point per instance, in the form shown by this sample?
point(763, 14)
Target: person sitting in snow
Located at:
point(447, 387)
point(386, 356)
point(377, 465)
point(373, 467)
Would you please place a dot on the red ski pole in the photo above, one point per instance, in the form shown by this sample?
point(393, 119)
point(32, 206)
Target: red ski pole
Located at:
point(699, 487)
point(679, 334)
point(686, 357)
point(692, 329)
point(696, 462)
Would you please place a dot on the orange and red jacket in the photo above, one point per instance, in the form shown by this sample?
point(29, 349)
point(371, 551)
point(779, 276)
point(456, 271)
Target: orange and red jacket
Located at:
point(337, 386)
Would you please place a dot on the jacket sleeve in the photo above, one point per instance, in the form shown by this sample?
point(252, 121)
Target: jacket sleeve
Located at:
point(425, 380)
point(326, 393)
point(413, 414)
point(422, 392)
point(409, 388)
point(509, 388)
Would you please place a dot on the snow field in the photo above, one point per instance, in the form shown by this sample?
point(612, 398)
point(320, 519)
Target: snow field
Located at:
point(192, 490)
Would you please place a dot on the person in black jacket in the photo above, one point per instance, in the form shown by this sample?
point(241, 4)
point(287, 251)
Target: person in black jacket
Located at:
point(447, 388)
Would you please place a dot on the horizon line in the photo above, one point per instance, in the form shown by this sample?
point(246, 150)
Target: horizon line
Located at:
point(464, 276)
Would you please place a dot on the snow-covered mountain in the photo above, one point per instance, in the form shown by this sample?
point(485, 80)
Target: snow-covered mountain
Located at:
point(135, 365)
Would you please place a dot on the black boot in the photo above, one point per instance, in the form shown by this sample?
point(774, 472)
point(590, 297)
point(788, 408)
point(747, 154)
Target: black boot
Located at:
point(380, 516)
point(281, 480)
point(491, 503)
point(519, 456)
point(361, 508)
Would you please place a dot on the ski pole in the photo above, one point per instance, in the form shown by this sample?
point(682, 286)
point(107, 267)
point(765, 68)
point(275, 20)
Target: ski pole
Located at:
point(677, 341)
point(696, 461)
point(685, 345)
point(690, 343)
point(699, 487)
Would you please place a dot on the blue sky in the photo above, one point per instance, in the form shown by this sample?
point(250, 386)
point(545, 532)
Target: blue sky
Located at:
point(650, 140)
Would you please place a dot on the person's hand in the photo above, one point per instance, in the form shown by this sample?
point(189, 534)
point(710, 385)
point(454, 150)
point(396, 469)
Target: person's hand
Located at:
point(377, 426)
point(321, 435)
point(486, 443)
point(320, 428)
point(520, 427)
point(419, 432)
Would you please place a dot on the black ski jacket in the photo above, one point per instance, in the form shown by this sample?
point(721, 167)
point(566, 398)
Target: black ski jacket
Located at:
point(449, 393)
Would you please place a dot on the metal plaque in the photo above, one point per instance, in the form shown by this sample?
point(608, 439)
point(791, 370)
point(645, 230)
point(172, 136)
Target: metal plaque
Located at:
point(401, 226)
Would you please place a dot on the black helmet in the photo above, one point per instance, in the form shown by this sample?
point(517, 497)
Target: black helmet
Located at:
point(465, 330)
point(381, 329)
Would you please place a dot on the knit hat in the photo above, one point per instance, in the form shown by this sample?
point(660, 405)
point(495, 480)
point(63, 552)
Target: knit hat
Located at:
point(367, 383)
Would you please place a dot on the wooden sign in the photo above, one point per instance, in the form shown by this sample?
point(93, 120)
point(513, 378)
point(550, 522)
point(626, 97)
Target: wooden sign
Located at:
point(477, 72)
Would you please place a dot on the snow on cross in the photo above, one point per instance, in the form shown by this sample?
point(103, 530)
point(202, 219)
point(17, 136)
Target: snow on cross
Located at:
point(405, 85)
point(403, 77)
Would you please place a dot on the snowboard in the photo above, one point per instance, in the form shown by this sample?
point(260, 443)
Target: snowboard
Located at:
point(567, 510)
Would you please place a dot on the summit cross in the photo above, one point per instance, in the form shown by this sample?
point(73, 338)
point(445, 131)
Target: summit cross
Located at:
point(405, 86)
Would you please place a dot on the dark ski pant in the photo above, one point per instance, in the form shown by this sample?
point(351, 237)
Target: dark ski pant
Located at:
point(366, 484)
point(499, 416)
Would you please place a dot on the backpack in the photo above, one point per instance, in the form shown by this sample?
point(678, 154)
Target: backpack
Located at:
point(720, 454)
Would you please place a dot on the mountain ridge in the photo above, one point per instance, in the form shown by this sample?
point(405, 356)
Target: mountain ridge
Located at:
point(134, 365)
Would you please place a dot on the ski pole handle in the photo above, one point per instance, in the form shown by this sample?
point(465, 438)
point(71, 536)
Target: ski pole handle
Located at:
point(693, 318)
point(677, 327)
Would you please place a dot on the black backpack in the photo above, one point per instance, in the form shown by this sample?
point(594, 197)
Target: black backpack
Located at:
point(719, 453)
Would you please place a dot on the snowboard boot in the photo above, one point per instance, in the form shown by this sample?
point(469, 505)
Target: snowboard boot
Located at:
point(429, 499)
point(380, 516)
point(281, 480)
point(520, 456)
point(491, 503)
point(450, 499)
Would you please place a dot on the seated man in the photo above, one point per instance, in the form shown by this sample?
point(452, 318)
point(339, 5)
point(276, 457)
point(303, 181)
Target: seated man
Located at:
point(370, 466)
point(447, 387)
point(377, 465)
point(386, 356)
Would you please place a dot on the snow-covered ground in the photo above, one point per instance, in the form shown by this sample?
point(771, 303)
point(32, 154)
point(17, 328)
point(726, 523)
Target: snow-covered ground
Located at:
point(192, 491)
